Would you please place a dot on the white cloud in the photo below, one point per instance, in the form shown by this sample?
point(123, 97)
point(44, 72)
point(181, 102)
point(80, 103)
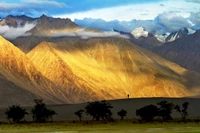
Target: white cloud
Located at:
point(121, 13)
point(12, 33)
point(45, 2)
point(146, 11)
point(34, 8)
point(6, 6)
point(170, 21)
point(88, 34)
point(163, 23)
point(195, 1)
point(195, 19)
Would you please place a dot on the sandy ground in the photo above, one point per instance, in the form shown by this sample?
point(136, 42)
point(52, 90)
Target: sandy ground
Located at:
point(66, 112)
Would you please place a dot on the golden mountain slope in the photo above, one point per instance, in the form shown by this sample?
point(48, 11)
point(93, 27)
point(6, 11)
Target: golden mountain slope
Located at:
point(56, 70)
point(110, 68)
point(16, 67)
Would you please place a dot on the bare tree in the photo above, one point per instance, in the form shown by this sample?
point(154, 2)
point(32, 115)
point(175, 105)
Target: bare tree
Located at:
point(183, 111)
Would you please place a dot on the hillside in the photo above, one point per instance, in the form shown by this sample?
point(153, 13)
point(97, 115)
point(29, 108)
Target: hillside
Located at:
point(17, 69)
point(111, 68)
point(183, 51)
point(56, 70)
point(11, 94)
point(75, 70)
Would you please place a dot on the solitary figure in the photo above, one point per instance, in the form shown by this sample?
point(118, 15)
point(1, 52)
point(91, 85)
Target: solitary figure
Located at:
point(128, 95)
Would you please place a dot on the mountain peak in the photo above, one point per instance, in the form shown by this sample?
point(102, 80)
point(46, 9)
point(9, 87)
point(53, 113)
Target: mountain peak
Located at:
point(46, 25)
point(139, 32)
point(16, 21)
point(177, 35)
point(20, 16)
point(43, 15)
point(44, 46)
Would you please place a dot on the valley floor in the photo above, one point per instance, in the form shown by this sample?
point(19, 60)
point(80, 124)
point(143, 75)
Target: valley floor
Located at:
point(120, 127)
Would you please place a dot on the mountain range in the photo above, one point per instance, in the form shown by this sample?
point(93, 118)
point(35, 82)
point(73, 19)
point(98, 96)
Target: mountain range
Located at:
point(71, 69)
point(181, 47)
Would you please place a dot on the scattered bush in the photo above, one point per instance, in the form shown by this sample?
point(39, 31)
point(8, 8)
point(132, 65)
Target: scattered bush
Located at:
point(165, 110)
point(41, 113)
point(147, 113)
point(122, 113)
point(183, 111)
point(99, 110)
point(79, 113)
point(15, 113)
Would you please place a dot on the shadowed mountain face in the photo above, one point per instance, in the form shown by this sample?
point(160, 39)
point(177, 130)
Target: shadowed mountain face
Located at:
point(48, 25)
point(184, 51)
point(16, 21)
point(110, 68)
point(177, 35)
point(183, 48)
point(11, 94)
point(26, 44)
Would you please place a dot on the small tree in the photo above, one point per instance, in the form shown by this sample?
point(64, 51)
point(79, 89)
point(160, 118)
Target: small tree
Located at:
point(50, 114)
point(165, 110)
point(99, 110)
point(122, 113)
point(147, 113)
point(41, 113)
point(183, 111)
point(79, 113)
point(16, 113)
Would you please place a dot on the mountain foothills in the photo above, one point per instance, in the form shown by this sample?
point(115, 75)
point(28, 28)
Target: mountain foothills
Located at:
point(69, 69)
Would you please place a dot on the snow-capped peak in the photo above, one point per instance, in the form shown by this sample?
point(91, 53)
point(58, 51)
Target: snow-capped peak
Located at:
point(190, 31)
point(162, 37)
point(139, 32)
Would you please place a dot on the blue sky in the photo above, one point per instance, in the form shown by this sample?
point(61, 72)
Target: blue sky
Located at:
point(35, 8)
point(163, 15)
point(65, 8)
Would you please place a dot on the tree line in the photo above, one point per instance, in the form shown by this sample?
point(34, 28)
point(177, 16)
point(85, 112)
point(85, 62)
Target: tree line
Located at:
point(99, 110)
point(163, 110)
point(40, 112)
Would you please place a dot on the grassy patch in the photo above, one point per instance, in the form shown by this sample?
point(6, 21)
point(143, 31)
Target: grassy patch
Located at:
point(93, 127)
